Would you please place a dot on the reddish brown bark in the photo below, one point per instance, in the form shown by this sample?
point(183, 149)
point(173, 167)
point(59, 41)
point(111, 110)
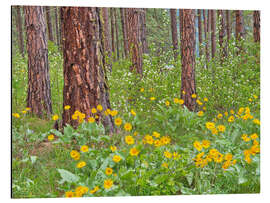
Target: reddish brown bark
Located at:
point(116, 32)
point(49, 23)
point(228, 24)
point(57, 36)
point(206, 37)
point(143, 30)
point(200, 30)
point(112, 32)
point(133, 34)
point(84, 76)
point(213, 32)
point(256, 26)
point(105, 39)
point(239, 28)
point(180, 22)
point(124, 31)
point(174, 33)
point(39, 92)
point(19, 30)
point(188, 85)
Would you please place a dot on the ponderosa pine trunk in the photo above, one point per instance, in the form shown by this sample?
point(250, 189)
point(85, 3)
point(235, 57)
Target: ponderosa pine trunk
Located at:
point(124, 31)
point(39, 91)
point(213, 32)
point(56, 26)
point(49, 23)
point(180, 22)
point(228, 24)
point(188, 85)
point(206, 37)
point(239, 28)
point(112, 33)
point(174, 33)
point(84, 73)
point(19, 30)
point(200, 31)
point(116, 32)
point(105, 39)
point(134, 43)
point(256, 26)
point(222, 32)
point(143, 30)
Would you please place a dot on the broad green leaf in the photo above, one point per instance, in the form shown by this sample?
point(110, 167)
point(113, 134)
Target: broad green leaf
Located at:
point(67, 176)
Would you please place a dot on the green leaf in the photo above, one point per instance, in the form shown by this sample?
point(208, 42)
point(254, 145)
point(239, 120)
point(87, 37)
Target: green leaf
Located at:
point(68, 131)
point(67, 176)
point(93, 164)
point(189, 178)
point(33, 159)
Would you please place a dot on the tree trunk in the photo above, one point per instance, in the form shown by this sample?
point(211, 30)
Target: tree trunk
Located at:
point(206, 37)
point(256, 26)
point(213, 33)
point(188, 85)
point(84, 76)
point(19, 30)
point(222, 34)
point(39, 91)
point(228, 25)
point(143, 30)
point(200, 31)
point(48, 16)
point(124, 31)
point(133, 34)
point(116, 32)
point(56, 26)
point(239, 28)
point(60, 29)
point(105, 39)
point(180, 23)
point(174, 33)
point(112, 32)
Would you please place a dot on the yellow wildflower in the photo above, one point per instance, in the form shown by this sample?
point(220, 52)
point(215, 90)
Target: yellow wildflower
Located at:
point(134, 152)
point(99, 107)
point(51, 137)
point(67, 107)
point(84, 148)
point(197, 145)
point(116, 158)
point(118, 121)
point(108, 171)
point(108, 184)
point(129, 140)
point(128, 126)
point(81, 164)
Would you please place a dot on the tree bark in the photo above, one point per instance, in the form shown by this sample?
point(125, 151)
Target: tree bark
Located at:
point(206, 33)
point(124, 31)
point(256, 26)
point(60, 30)
point(105, 39)
point(84, 74)
point(48, 16)
point(213, 32)
point(56, 26)
point(174, 33)
point(39, 91)
point(133, 34)
point(19, 30)
point(188, 85)
point(239, 28)
point(180, 22)
point(222, 33)
point(228, 25)
point(112, 32)
point(116, 32)
point(143, 30)
point(200, 31)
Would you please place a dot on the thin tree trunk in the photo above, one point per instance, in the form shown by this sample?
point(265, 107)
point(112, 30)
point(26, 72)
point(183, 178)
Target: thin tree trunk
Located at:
point(112, 32)
point(256, 26)
point(124, 31)
point(133, 34)
point(19, 30)
point(143, 30)
point(105, 39)
point(49, 24)
point(200, 31)
point(206, 37)
point(174, 33)
point(180, 23)
point(60, 30)
point(39, 91)
point(213, 32)
point(116, 32)
point(188, 85)
point(56, 26)
point(84, 76)
point(228, 25)
point(209, 31)
point(222, 34)
point(239, 28)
